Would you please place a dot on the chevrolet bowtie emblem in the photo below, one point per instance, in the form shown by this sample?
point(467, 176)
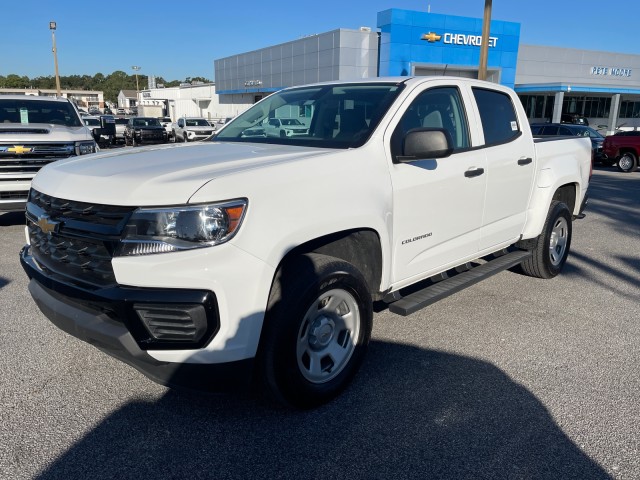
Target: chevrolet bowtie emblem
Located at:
point(47, 225)
point(431, 37)
point(19, 149)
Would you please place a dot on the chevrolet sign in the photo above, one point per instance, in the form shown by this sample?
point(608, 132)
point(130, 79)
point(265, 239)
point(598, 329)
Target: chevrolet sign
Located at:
point(458, 39)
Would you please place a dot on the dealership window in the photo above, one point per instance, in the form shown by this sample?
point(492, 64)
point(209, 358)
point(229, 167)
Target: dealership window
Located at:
point(629, 109)
point(590, 107)
point(538, 106)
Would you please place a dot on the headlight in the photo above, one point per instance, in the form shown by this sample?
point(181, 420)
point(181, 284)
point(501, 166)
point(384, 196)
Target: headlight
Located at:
point(82, 148)
point(172, 229)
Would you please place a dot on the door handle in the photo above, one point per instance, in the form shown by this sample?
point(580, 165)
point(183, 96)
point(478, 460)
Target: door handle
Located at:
point(474, 172)
point(525, 161)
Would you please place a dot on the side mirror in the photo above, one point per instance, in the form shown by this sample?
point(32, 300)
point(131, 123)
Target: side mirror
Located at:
point(426, 143)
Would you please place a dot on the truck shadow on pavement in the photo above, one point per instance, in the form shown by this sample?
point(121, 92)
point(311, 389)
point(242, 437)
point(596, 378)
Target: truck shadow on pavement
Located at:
point(411, 413)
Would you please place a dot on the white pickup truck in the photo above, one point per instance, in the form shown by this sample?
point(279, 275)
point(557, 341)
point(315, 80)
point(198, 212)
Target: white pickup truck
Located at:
point(255, 257)
point(35, 131)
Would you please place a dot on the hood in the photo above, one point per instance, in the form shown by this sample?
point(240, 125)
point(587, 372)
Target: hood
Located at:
point(158, 175)
point(41, 133)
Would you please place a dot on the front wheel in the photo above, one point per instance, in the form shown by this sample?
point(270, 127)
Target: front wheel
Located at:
point(317, 328)
point(628, 162)
point(551, 248)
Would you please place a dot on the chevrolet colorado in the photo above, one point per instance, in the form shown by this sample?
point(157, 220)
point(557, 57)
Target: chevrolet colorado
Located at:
point(258, 257)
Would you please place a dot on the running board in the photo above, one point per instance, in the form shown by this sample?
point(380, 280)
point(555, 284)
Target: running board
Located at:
point(431, 294)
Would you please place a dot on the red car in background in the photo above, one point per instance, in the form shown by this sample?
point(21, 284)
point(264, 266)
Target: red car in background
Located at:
point(624, 147)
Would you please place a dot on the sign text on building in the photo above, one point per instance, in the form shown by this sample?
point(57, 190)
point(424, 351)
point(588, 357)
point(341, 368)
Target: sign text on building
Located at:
point(458, 39)
point(611, 71)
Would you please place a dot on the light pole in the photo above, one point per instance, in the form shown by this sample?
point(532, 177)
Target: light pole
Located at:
point(52, 27)
point(135, 69)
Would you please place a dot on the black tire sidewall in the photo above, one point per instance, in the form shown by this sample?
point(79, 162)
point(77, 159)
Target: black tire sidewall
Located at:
point(283, 321)
point(558, 209)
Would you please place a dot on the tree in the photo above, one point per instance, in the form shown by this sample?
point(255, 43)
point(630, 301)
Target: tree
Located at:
point(110, 85)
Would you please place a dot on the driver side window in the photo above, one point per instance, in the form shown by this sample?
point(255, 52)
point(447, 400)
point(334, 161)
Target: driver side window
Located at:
point(441, 108)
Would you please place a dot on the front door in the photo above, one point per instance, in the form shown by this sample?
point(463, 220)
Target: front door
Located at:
point(438, 203)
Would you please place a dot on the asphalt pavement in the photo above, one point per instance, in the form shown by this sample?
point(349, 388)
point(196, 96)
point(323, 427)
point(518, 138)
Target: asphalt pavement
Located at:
point(512, 378)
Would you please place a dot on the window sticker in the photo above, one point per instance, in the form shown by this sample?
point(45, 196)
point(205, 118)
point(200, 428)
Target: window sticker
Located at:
point(24, 115)
point(514, 126)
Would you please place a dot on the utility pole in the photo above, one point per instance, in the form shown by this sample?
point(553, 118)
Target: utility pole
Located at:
point(484, 46)
point(52, 27)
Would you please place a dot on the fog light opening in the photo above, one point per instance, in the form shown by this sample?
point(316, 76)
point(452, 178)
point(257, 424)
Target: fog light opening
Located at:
point(173, 322)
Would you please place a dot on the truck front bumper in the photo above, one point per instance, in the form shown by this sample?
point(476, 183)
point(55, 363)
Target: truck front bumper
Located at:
point(113, 320)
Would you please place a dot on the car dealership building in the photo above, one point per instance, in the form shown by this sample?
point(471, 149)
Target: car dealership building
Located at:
point(604, 87)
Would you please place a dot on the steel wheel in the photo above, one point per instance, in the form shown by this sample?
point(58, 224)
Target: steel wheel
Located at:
point(316, 330)
point(326, 336)
point(558, 241)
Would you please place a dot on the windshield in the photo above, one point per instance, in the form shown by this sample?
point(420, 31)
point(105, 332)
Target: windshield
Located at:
point(327, 116)
point(146, 122)
point(92, 122)
point(197, 122)
point(27, 112)
point(590, 132)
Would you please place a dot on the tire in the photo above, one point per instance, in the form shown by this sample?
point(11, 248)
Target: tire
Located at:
point(551, 248)
point(185, 137)
point(317, 328)
point(628, 162)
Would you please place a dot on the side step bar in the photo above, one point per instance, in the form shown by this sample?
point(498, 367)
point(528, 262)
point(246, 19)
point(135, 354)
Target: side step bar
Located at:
point(431, 294)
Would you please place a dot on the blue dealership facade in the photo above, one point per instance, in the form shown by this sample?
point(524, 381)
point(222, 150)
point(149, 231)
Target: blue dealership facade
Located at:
point(421, 43)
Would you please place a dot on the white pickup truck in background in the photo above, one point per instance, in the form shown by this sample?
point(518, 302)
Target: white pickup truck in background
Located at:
point(35, 131)
point(258, 257)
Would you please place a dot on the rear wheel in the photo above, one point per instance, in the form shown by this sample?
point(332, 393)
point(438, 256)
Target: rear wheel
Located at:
point(317, 328)
point(551, 248)
point(628, 162)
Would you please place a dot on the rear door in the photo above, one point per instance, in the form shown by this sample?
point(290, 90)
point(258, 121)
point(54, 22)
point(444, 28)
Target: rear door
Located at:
point(510, 157)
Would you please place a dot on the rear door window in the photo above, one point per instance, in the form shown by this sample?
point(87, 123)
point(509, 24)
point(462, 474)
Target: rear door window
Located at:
point(498, 116)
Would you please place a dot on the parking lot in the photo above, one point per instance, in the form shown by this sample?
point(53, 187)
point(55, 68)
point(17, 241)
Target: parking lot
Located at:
point(512, 378)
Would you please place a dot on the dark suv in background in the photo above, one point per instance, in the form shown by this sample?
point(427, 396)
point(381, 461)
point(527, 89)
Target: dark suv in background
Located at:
point(141, 130)
point(568, 129)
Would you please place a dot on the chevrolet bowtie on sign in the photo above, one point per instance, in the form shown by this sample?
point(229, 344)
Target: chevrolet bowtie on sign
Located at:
point(431, 37)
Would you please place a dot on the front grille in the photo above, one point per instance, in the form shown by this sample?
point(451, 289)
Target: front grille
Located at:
point(30, 158)
point(75, 240)
point(19, 195)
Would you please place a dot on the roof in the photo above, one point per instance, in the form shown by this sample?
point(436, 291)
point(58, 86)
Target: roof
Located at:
point(129, 93)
